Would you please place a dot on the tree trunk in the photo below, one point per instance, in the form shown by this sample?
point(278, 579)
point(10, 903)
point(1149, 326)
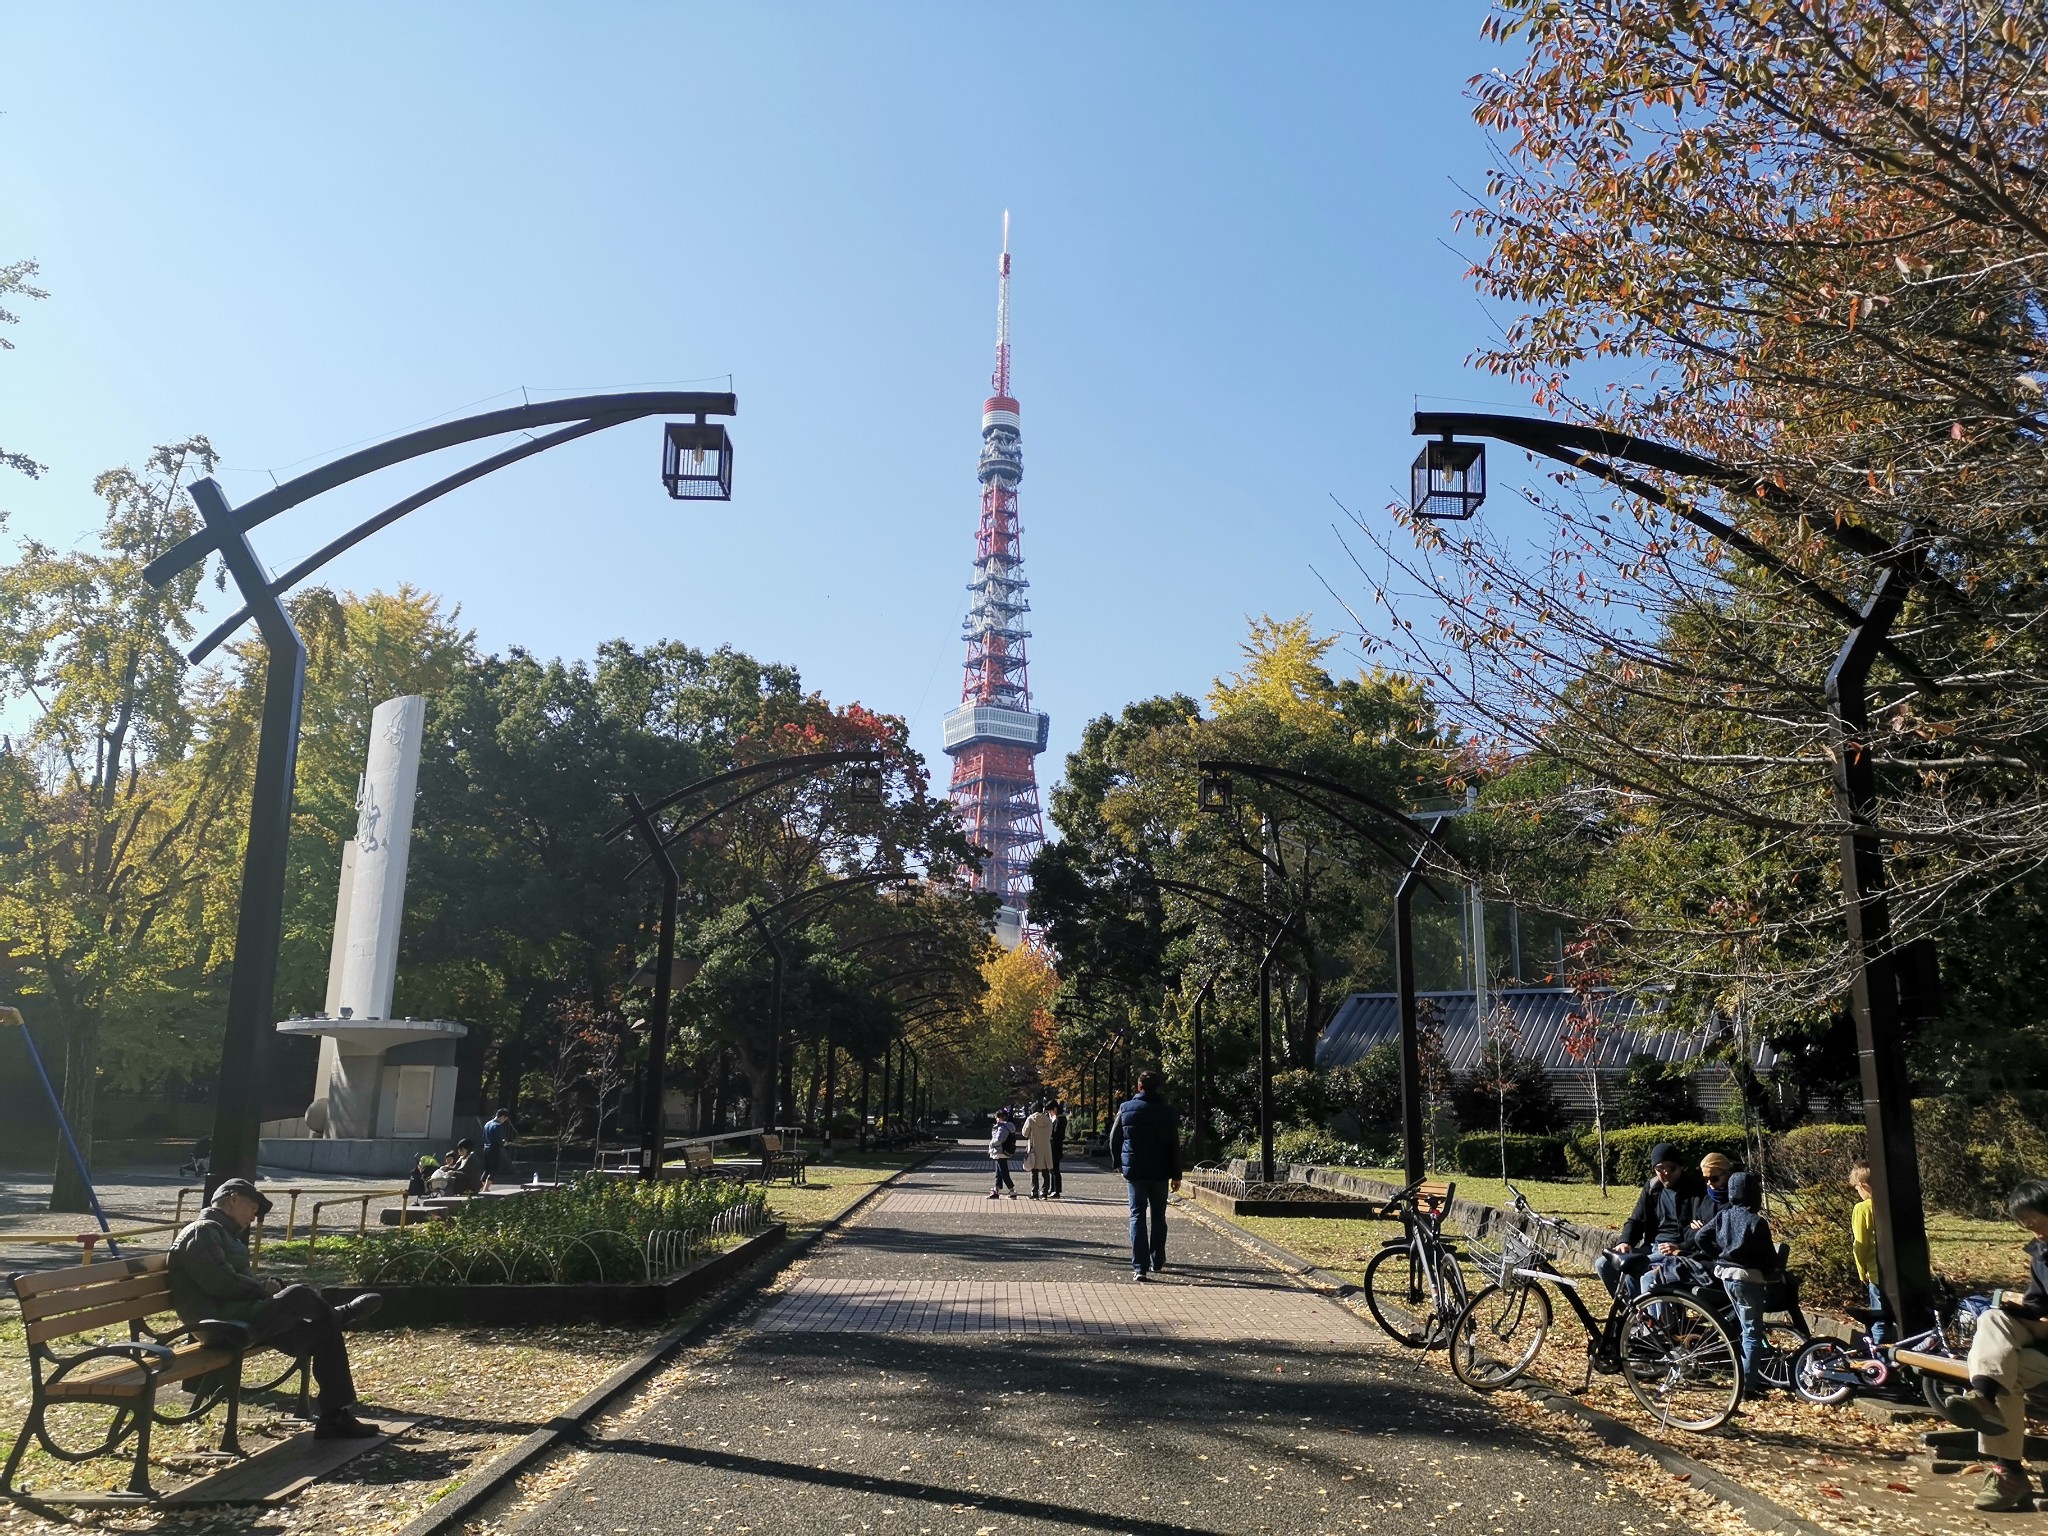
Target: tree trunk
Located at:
point(81, 1097)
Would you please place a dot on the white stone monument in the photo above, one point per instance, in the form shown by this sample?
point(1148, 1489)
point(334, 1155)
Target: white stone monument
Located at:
point(384, 1091)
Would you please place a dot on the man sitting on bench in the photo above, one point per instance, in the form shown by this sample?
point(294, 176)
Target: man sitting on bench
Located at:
point(211, 1279)
point(2008, 1357)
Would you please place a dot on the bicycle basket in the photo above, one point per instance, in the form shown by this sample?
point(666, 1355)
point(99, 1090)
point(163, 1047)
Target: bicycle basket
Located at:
point(1516, 1250)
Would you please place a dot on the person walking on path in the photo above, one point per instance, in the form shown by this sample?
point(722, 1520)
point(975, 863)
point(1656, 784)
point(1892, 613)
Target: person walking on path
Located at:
point(2008, 1358)
point(1145, 1142)
point(1038, 1152)
point(211, 1279)
point(1059, 1147)
point(499, 1132)
point(1002, 1146)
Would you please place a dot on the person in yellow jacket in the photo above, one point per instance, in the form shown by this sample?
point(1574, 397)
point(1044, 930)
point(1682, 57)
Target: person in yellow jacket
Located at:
point(1863, 1244)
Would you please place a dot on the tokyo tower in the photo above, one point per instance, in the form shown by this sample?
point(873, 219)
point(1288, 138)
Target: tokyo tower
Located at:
point(995, 734)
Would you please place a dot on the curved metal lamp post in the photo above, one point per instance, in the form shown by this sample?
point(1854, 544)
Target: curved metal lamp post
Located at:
point(696, 465)
point(1881, 999)
point(1423, 836)
point(666, 972)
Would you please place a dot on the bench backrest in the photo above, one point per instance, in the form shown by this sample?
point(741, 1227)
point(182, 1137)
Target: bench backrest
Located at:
point(56, 1303)
point(771, 1144)
point(1434, 1199)
point(697, 1157)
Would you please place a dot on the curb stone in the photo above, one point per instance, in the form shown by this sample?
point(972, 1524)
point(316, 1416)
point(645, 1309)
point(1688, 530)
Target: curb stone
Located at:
point(468, 1498)
point(1760, 1512)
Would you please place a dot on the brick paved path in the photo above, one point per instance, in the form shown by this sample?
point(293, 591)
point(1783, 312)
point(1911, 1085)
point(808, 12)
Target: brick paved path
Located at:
point(954, 1366)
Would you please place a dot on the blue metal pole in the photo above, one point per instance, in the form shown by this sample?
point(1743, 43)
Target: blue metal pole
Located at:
point(64, 1129)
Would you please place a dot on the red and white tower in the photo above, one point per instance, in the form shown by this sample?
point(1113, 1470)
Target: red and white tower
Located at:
point(995, 734)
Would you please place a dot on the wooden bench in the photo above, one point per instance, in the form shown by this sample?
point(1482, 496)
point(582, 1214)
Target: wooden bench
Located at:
point(86, 1300)
point(776, 1163)
point(698, 1163)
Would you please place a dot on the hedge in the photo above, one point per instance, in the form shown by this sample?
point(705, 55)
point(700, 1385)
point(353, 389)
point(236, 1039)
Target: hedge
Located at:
point(1628, 1149)
point(1816, 1154)
point(1528, 1156)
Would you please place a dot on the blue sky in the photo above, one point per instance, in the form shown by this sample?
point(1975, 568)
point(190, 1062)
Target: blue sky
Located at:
point(296, 229)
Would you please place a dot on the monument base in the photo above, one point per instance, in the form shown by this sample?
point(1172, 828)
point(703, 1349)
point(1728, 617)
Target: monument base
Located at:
point(370, 1157)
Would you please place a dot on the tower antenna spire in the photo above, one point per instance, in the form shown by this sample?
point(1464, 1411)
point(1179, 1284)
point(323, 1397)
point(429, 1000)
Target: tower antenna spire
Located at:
point(995, 735)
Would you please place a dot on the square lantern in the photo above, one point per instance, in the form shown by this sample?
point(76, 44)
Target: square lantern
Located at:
point(682, 970)
point(1212, 794)
point(696, 461)
point(1449, 480)
point(864, 783)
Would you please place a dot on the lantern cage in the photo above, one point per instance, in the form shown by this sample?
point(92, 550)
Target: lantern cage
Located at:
point(682, 970)
point(696, 461)
point(1212, 794)
point(864, 783)
point(1448, 481)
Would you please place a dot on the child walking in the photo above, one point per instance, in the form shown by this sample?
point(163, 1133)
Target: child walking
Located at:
point(1002, 1146)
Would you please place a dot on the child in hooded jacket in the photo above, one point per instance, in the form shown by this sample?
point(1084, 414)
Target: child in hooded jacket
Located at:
point(1737, 1241)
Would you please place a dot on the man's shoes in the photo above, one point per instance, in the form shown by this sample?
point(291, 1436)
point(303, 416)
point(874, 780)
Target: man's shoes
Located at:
point(2005, 1490)
point(1159, 1266)
point(344, 1426)
point(1973, 1410)
point(995, 1194)
point(353, 1313)
point(1137, 1274)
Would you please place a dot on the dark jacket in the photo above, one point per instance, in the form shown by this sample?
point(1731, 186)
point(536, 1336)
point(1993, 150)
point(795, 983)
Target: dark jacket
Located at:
point(1665, 1215)
point(210, 1273)
point(2035, 1302)
point(1145, 1140)
point(1059, 1133)
point(1737, 1233)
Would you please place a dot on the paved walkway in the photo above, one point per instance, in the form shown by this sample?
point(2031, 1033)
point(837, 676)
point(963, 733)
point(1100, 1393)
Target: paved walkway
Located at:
point(957, 1365)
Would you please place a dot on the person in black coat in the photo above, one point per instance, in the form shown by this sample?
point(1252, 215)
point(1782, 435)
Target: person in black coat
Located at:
point(1737, 1242)
point(1670, 1203)
point(1145, 1143)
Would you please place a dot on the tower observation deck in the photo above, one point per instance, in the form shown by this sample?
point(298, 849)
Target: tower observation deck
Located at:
point(995, 735)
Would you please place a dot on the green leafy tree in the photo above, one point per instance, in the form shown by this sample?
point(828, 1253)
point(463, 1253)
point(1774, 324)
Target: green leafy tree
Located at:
point(14, 279)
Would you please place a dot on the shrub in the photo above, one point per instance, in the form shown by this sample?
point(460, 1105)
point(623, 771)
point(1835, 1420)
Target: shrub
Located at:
point(1971, 1154)
point(1808, 1155)
point(1815, 1223)
point(1656, 1093)
point(1306, 1144)
point(590, 1232)
point(1528, 1157)
point(1628, 1150)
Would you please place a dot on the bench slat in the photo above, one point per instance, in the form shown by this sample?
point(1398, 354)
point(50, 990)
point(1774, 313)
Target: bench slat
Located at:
point(79, 1298)
point(96, 1317)
point(1934, 1365)
point(38, 1282)
point(122, 1378)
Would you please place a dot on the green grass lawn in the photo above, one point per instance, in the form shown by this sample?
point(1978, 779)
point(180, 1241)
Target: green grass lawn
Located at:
point(833, 1186)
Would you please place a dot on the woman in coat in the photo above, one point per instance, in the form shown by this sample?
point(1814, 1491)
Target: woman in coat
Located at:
point(1038, 1152)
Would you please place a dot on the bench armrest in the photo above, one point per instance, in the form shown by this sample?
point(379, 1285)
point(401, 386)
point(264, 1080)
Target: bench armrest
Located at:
point(150, 1357)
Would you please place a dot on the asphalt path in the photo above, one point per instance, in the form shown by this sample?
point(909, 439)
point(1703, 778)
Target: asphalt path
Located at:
point(1215, 1398)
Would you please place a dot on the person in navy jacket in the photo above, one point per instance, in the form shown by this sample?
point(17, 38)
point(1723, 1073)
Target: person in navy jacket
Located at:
point(1145, 1142)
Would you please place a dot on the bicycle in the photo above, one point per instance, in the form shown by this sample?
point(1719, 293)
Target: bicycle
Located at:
point(1830, 1372)
point(1414, 1285)
point(1676, 1354)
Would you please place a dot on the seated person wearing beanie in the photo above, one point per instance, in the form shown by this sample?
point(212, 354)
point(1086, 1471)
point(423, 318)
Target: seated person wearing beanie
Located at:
point(211, 1280)
point(1665, 1211)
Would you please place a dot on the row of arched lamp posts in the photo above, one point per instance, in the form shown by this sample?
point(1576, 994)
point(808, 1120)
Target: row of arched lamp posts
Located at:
point(1891, 985)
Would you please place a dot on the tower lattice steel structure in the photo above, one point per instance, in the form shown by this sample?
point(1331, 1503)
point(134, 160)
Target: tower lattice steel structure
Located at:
point(995, 734)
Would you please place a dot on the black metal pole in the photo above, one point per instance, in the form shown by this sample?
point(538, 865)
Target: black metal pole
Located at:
point(653, 1138)
point(1201, 1066)
point(831, 1085)
point(1413, 1144)
point(1266, 1060)
point(1902, 1256)
point(259, 924)
point(888, 1066)
point(865, 1066)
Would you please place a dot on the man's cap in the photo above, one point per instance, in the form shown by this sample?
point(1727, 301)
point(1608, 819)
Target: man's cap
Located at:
point(1663, 1152)
point(247, 1191)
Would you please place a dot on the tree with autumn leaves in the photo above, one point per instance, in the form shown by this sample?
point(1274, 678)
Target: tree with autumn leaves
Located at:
point(1803, 241)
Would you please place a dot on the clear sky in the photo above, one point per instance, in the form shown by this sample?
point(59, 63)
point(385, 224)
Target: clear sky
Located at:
point(297, 228)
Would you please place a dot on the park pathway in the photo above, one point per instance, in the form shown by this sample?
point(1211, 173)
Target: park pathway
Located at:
point(959, 1365)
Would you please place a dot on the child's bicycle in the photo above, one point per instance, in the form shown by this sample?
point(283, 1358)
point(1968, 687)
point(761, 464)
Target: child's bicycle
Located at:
point(1829, 1372)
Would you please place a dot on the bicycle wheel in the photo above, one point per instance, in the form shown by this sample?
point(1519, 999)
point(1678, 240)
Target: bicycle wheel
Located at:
point(1399, 1295)
point(1937, 1390)
point(1782, 1343)
point(1681, 1362)
point(1824, 1372)
point(1499, 1334)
